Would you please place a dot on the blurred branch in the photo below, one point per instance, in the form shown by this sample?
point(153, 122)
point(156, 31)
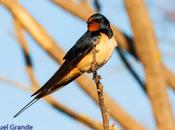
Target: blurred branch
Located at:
point(149, 55)
point(76, 8)
point(79, 117)
point(13, 82)
point(35, 29)
point(50, 46)
point(24, 46)
point(170, 77)
point(130, 69)
point(97, 5)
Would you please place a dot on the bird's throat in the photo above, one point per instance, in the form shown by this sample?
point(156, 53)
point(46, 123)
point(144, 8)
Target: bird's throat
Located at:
point(94, 27)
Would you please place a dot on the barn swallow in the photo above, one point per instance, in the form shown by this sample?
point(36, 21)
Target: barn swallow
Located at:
point(79, 58)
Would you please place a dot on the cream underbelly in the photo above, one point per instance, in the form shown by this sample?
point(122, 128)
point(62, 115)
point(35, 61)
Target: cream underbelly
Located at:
point(104, 49)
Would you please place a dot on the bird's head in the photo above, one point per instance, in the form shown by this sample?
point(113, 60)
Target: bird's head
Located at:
point(97, 22)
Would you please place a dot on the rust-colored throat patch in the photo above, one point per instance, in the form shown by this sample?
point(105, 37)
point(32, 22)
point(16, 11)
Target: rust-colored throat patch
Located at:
point(94, 26)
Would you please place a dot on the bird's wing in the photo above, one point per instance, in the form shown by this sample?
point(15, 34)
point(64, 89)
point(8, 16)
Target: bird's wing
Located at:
point(82, 47)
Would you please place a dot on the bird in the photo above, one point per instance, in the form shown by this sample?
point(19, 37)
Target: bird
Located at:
point(79, 58)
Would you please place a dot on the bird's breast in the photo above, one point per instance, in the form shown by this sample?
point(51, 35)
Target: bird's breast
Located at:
point(104, 49)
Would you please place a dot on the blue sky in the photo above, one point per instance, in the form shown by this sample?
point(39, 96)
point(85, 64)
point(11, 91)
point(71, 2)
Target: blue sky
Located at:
point(66, 29)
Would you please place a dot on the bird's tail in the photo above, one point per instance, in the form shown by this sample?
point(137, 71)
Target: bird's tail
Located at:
point(26, 106)
point(48, 89)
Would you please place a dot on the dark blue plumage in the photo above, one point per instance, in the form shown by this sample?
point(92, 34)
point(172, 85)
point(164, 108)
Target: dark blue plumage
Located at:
point(85, 42)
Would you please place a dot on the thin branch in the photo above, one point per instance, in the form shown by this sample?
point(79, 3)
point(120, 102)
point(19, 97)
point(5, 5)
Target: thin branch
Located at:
point(96, 77)
point(104, 110)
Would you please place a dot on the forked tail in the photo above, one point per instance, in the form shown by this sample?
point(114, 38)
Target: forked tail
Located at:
point(26, 106)
point(51, 86)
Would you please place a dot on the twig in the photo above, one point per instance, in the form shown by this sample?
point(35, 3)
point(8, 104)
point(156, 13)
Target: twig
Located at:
point(104, 110)
point(96, 78)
